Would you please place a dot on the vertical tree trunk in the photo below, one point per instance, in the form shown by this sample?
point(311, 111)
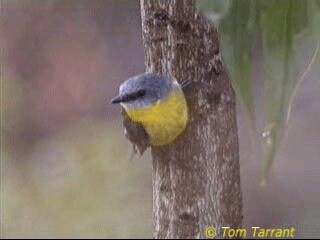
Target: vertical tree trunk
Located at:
point(196, 180)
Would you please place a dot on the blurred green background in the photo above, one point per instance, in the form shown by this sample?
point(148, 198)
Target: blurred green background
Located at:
point(64, 159)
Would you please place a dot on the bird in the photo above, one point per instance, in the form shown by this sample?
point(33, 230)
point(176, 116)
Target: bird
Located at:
point(155, 110)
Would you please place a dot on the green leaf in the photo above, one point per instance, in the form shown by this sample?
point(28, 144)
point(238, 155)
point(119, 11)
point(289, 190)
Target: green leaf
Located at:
point(313, 8)
point(299, 16)
point(277, 26)
point(237, 31)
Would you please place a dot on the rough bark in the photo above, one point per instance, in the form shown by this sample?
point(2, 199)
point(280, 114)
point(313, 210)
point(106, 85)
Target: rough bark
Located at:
point(196, 180)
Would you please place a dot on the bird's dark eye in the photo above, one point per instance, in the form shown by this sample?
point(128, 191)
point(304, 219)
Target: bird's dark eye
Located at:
point(141, 93)
point(133, 96)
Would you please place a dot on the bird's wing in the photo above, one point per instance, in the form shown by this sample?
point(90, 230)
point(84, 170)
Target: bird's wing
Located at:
point(136, 134)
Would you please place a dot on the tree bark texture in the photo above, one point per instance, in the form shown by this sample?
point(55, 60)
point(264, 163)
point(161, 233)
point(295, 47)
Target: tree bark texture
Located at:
point(196, 179)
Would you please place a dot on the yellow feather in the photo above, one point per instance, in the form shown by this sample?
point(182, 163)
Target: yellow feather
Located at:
point(165, 120)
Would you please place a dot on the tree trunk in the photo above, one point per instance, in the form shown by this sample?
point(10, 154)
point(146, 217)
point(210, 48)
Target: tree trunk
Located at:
point(196, 180)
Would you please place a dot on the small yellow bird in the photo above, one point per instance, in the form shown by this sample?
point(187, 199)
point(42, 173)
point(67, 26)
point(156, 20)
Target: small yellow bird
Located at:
point(157, 103)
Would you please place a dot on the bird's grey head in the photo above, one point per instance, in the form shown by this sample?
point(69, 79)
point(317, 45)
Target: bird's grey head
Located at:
point(142, 91)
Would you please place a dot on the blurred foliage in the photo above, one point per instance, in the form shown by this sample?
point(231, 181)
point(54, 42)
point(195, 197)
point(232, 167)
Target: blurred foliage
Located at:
point(78, 185)
point(280, 24)
point(65, 170)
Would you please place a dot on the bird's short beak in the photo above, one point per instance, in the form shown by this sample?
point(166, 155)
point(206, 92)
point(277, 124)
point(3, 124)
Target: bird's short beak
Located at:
point(117, 99)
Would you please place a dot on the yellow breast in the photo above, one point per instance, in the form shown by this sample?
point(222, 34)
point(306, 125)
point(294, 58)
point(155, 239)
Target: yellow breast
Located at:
point(164, 121)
